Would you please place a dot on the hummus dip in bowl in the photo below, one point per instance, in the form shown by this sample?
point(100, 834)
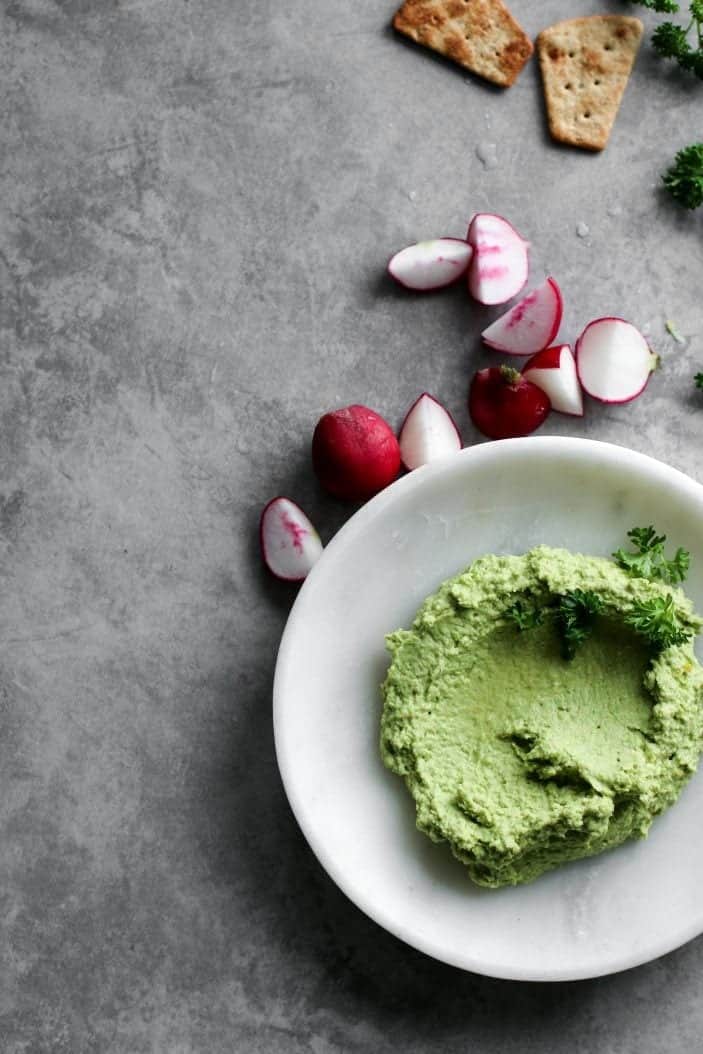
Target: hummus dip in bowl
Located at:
point(585, 918)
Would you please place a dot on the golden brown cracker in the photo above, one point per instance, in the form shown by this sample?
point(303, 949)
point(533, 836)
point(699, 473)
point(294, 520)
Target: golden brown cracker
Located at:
point(480, 35)
point(585, 64)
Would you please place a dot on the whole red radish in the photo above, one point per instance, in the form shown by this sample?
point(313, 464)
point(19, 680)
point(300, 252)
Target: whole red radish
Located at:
point(355, 453)
point(290, 545)
point(503, 405)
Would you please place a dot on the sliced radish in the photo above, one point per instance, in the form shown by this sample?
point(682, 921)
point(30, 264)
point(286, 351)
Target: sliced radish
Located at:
point(503, 404)
point(498, 267)
point(427, 433)
point(554, 371)
point(431, 264)
point(529, 326)
point(355, 453)
point(290, 545)
point(613, 360)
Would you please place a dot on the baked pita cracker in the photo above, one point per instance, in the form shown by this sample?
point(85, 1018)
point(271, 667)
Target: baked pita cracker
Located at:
point(585, 64)
point(480, 35)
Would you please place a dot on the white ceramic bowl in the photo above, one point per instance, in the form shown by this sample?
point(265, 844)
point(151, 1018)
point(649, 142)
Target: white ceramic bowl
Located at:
point(585, 919)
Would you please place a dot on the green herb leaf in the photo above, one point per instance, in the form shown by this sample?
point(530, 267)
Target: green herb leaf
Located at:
point(684, 178)
point(524, 615)
point(667, 6)
point(672, 41)
point(698, 380)
point(575, 617)
point(657, 621)
point(649, 560)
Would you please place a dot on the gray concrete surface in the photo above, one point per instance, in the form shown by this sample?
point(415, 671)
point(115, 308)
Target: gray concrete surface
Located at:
point(197, 201)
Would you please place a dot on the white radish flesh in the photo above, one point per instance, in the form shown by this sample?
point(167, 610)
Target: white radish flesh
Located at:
point(498, 268)
point(554, 371)
point(427, 433)
point(613, 360)
point(529, 326)
point(431, 264)
point(290, 545)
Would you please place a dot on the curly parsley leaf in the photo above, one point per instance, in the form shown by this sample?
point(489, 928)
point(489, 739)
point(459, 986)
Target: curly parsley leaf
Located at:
point(573, 613)
point(698, 381)
point(673, 41)
point(684, 178)
point(663, 6)
point(575, 617)
point(649, 559)
point(657, 621)
point(525, 615)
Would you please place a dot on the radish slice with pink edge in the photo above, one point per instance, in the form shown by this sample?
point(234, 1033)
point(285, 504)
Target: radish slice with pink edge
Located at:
point(290, 545)
point(613, 360)
point(428, 433)
point(529, 326)
point(554, 371)
point(432, 264)
point(498, 268)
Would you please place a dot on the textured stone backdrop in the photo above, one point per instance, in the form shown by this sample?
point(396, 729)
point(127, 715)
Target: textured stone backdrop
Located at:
point(197, 201)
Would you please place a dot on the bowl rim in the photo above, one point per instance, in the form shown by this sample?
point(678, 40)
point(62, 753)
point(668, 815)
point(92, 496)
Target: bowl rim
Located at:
point(523, 446)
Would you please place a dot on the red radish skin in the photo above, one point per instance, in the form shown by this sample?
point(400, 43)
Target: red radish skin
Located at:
point(503, 405)
point(431, 265)
point(355, 453)
point(498, 267)
point(546, 359)
point(613, 360)
point(529, 326)
point(290, 545)
point(554, 371)
point(428, 433)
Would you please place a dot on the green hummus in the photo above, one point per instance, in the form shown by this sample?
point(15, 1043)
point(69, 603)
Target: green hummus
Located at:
point(518, 758)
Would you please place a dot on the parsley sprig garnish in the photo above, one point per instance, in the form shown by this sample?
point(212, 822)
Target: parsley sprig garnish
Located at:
point(682, 43)
point(649, 560)
point(698, 381)
point(525, 615)
point(684, 177)
point(575, 617)
point(657, 621)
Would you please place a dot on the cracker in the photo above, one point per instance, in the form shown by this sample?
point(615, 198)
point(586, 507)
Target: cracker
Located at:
point(585, 64)
point(480, 35)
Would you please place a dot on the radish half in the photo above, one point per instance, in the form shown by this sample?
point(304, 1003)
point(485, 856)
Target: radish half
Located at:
point(498, 267)
point(613, 360)
point(554, 371)
point(290, 545)
point(529, 326)
point(427, 433)
point(431, 264)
